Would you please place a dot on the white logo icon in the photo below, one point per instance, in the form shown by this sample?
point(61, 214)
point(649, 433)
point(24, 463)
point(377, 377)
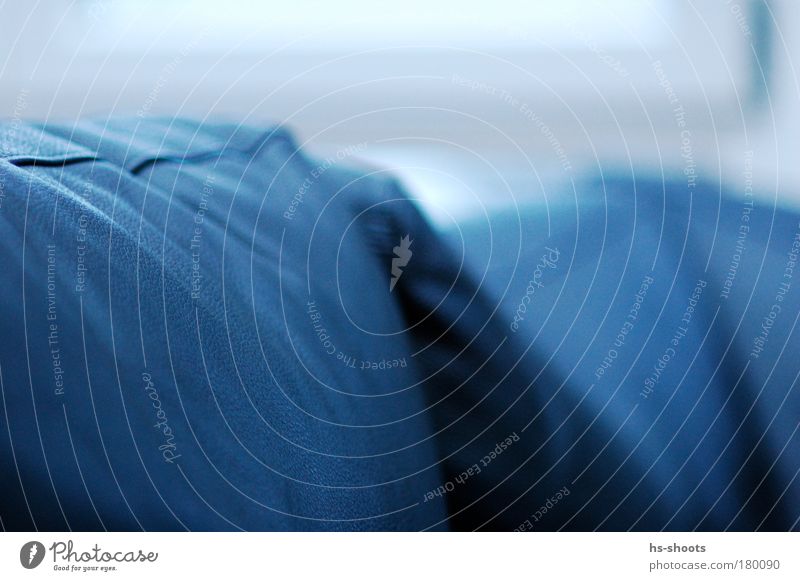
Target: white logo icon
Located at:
point(402, 256)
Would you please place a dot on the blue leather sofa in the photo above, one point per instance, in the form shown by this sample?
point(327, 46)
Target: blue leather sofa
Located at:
point(204, 328)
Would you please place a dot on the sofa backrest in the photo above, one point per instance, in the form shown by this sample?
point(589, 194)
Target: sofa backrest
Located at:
point(200, 330)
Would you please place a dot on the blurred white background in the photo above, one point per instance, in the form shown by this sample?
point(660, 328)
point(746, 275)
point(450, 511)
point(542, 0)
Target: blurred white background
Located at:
point(472, 104)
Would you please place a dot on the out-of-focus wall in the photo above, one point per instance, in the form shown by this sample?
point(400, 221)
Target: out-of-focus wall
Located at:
point(504, 105)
